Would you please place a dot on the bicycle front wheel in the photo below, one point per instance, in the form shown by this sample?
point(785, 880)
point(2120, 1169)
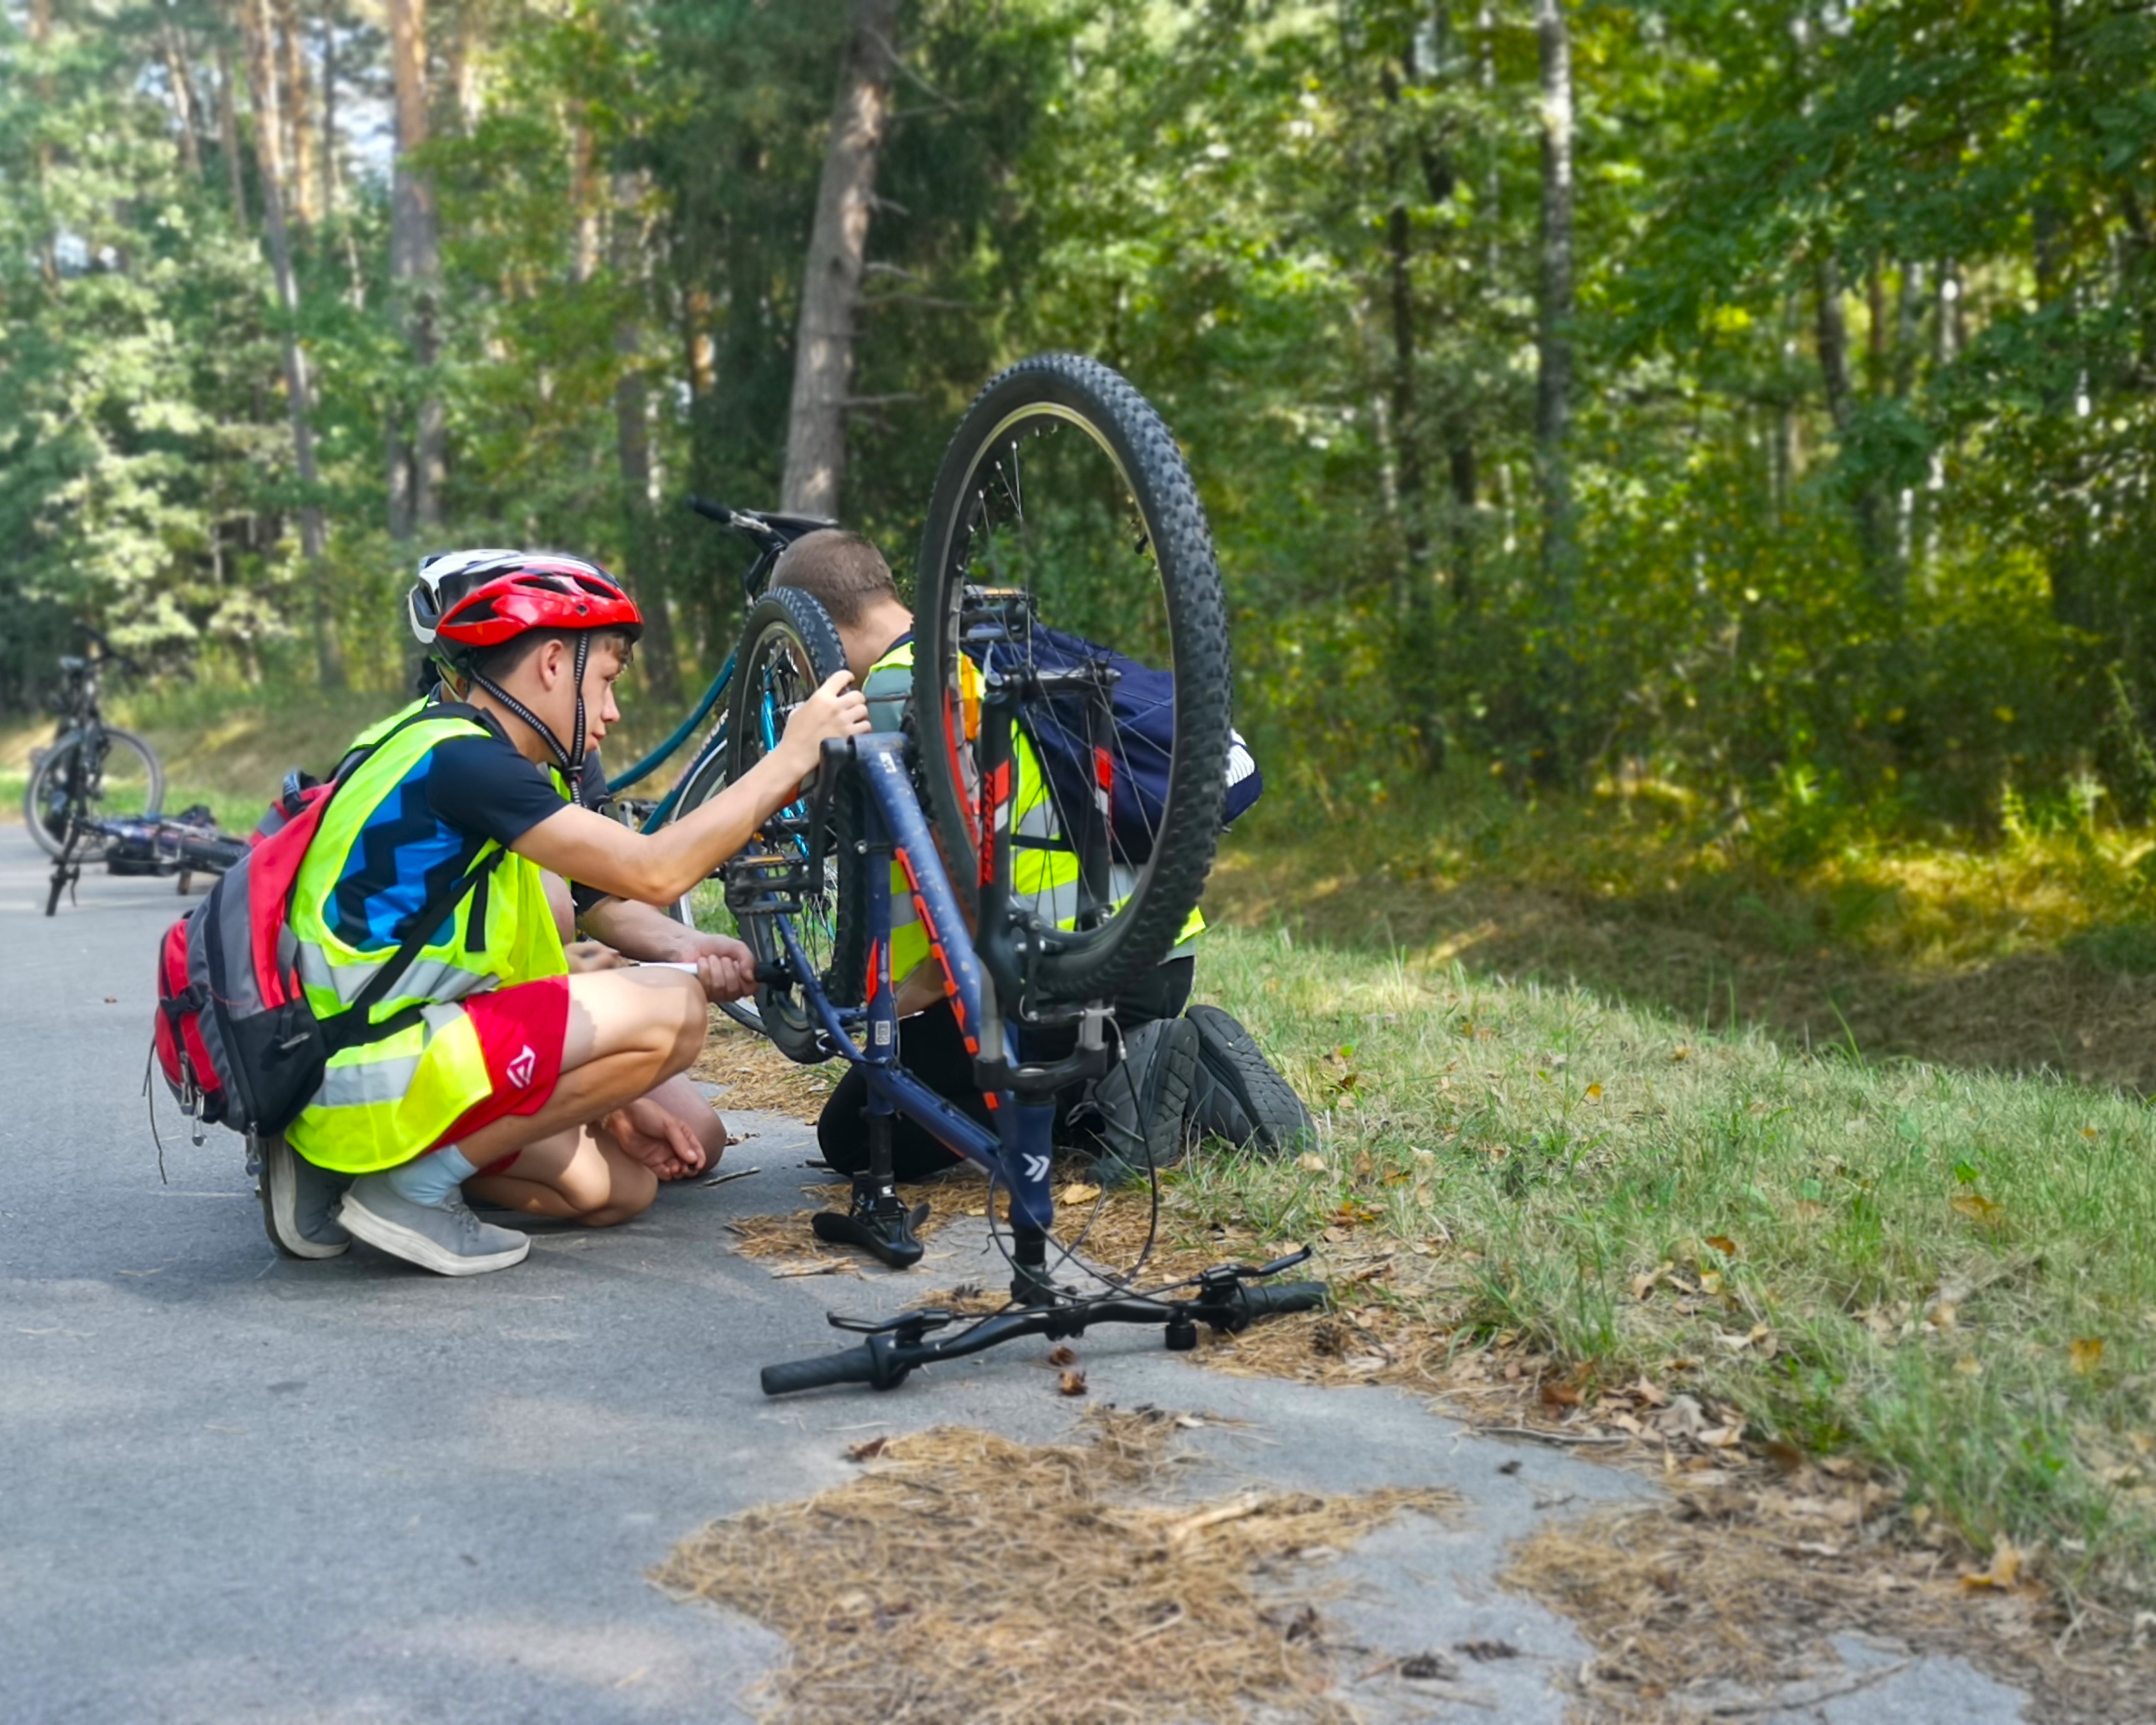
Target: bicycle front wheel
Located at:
point(1064, 505)
point(789, 650)
point(100, 774)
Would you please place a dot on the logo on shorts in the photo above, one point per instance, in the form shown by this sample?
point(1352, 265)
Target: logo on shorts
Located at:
point(519, 1071)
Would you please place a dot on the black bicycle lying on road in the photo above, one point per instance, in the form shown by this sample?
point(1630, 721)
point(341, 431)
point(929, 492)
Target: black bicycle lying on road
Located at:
point(93, 771)
point(185, 844)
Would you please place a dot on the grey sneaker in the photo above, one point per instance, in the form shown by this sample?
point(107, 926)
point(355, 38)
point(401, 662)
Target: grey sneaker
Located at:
point(1144, 1101)
point(448, 1239)
point(299, 1200)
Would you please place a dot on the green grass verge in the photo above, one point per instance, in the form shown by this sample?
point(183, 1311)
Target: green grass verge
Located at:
point(1952, 1273)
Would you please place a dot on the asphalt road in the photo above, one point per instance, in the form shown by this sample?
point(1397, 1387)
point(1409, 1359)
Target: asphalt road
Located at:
point(234, 1487)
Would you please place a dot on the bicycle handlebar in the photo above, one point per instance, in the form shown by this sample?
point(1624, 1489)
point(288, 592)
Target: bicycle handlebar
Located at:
point(1260, 1301)
point(855, 1365)
point(889, 1354)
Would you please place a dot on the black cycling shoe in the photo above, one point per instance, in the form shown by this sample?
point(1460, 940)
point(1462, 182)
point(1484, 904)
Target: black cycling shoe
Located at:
point(1239, 1095)
point(1143, 1103)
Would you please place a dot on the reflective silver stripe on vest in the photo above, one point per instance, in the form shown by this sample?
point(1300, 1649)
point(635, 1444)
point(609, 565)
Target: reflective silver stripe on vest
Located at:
point(427, 979)
point(389, 1079)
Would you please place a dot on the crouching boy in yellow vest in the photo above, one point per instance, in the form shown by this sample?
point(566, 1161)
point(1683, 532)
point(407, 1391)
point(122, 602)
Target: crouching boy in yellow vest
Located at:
point(537, 1090)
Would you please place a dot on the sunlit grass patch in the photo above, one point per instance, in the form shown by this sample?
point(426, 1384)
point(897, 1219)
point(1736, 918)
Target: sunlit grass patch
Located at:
point(1953, 1273)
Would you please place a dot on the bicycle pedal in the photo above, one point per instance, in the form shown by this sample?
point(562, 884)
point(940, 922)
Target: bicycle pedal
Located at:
point(886, 1236)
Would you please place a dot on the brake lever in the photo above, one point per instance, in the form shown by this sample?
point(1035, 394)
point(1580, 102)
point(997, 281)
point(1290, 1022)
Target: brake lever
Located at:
point(907, 1326)
point(1223, 1276)
point(744, 522)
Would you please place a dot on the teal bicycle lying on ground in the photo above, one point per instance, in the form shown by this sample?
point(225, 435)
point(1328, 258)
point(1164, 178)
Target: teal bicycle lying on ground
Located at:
point(1063, 510)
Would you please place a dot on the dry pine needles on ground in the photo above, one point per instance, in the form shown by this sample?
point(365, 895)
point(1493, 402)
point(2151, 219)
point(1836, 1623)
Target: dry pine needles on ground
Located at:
point(1723, 1604)
point(969, 1579)
point(754, 1075)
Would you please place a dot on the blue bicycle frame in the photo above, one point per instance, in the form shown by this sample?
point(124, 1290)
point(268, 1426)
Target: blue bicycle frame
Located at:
point(1019, 1153)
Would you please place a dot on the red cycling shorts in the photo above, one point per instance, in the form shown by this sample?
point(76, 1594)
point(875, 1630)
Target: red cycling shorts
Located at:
point(521, 1030)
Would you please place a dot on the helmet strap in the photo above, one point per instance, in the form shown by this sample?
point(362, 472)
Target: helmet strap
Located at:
point(572, 763)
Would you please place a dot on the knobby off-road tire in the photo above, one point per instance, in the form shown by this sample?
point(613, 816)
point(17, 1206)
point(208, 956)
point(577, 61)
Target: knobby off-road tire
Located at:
point(1063, 394)
point(789, 648)
point(48, 785)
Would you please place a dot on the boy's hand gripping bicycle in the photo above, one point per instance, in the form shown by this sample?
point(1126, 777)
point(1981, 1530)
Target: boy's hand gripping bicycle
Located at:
point(1061, 490)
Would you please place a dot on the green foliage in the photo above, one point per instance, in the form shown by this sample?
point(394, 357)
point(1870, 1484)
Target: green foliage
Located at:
point(1310, 232)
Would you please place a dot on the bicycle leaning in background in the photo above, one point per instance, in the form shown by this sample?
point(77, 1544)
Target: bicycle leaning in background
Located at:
point(710, 762)
point(94, 771)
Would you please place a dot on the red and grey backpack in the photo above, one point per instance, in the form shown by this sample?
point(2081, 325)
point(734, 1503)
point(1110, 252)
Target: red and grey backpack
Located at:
point(235, 1037)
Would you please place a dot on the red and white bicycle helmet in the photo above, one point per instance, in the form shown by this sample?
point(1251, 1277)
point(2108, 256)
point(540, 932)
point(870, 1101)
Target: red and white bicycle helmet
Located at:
point(468, 600)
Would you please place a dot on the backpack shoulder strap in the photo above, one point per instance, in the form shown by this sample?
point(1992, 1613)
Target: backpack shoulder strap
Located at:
point(354, 1024)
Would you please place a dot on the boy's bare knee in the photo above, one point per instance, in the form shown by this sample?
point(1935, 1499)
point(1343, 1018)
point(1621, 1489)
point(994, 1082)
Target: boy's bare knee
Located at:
point(632, 1188)
point(587, 1187)
point(691, 1029)
point(710, 1131)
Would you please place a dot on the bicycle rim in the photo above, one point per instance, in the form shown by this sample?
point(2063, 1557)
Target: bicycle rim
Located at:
point(1063, 485)
point(789, 650)
point(104, 775)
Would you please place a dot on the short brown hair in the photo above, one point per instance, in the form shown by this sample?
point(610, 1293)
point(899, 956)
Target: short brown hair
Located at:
point(842, 572)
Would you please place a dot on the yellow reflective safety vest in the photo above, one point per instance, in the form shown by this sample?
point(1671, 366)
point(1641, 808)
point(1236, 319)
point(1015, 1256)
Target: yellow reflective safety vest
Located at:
point(1043, 877)
point(382, 1103)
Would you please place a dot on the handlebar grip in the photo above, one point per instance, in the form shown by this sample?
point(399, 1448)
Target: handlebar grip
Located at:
point(853, 1365)
point(1282, 1298)
point(710, 510)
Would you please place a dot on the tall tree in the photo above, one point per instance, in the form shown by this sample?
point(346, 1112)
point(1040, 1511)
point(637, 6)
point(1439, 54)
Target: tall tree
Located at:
point(418, 445)
point(1554, 309)
point(837, 256)
point(296, 108)
point(299, 393)
point(633, 448)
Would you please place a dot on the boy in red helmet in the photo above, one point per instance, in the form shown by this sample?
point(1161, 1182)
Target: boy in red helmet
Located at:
point(547, 1092)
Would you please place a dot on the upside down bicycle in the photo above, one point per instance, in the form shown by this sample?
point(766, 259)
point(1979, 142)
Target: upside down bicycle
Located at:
point(1062, 502)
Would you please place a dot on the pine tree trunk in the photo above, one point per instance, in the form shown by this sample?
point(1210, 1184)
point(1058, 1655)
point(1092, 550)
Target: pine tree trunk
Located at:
point(1882, 572)
point(632, 421)
point(227, 133)
point(418, 453)
point(299, 127)
point(838, 252)
point(183, 100)
point(1554, 330)
point(41, 37)
point(329, 658)
point(332, 172)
